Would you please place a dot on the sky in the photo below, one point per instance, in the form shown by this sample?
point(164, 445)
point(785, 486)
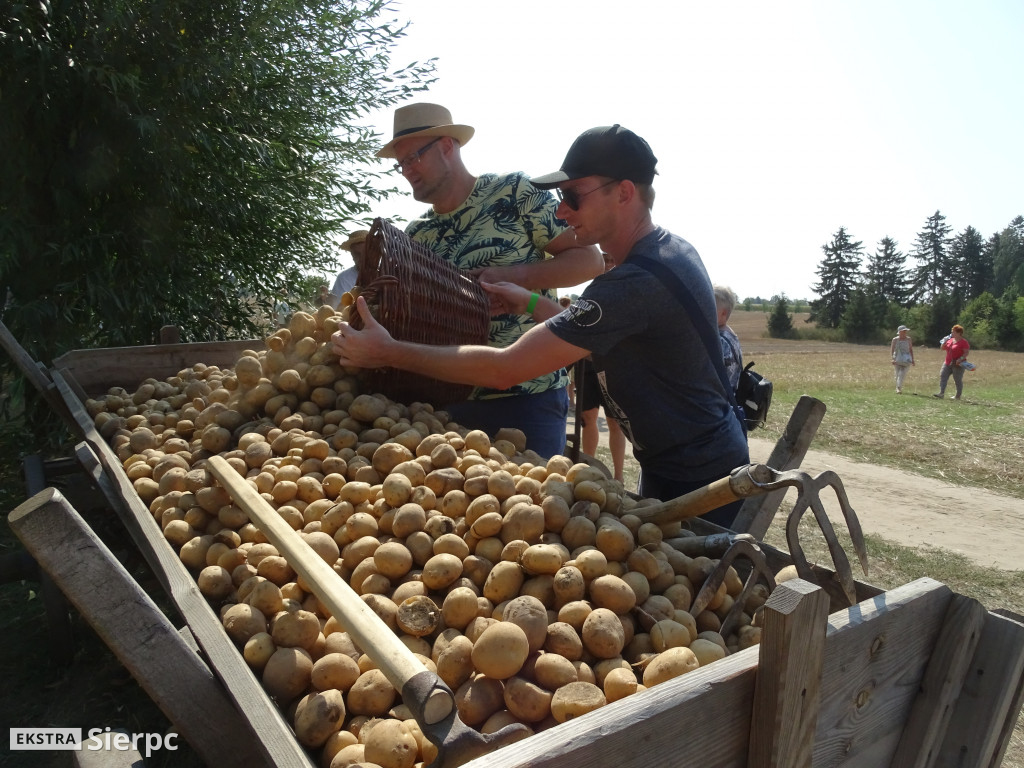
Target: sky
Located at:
point(774, 124)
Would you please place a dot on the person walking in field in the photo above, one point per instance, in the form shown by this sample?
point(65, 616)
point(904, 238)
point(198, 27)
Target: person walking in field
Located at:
point(902, 351)
point(956, 347)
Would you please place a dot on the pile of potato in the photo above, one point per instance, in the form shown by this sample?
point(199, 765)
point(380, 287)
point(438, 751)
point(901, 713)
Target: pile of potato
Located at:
point(526, 584)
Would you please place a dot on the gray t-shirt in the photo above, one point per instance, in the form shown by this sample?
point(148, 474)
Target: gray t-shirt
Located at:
point(656, 377)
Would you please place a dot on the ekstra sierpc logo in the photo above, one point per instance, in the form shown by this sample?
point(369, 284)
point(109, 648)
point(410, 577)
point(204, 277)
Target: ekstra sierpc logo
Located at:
point(97, 739)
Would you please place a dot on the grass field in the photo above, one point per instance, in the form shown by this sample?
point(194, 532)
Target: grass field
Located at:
point(978, 441)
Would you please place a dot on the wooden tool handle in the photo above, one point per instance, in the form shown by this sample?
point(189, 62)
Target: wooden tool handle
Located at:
point(739, 484)
point(367, 629)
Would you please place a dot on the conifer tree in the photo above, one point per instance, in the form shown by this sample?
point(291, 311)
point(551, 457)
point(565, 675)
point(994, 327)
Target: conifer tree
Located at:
point(934, 274)
point(971, 262)
point(837, 279)
point(885, 274)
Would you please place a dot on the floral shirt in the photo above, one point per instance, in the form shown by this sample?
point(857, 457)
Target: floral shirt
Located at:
point(505, 221)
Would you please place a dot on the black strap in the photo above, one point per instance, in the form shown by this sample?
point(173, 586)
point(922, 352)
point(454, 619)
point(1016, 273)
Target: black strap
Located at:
point(708, 334)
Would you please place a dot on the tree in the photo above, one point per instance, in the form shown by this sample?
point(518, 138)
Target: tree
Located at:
point(971, 263)
point(780, 322)
point(859, 323)
point(179, 162)
point(837, 278)
point(1008, 259)
point(933, 273)
point(885, 274)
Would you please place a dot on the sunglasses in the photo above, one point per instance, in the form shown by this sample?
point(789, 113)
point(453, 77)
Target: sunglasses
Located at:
point(415, 156)
point(572, 198)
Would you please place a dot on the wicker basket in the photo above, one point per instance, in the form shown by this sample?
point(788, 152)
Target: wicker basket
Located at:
point(422, 298)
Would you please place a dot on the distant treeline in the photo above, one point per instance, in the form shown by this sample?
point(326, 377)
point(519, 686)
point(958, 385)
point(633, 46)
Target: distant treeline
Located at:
point(954, 279)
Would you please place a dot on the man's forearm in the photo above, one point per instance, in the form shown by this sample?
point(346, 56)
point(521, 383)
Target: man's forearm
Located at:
point(565, 269)
point(468, 364)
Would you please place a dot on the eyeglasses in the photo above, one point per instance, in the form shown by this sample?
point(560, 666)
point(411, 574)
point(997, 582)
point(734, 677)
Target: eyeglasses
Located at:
point(414, 158)
point(572, 198)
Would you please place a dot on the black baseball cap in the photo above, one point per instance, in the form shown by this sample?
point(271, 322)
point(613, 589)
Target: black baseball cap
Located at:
point(609, 150)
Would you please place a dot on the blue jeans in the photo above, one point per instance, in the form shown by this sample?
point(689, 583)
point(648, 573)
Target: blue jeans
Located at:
point(657, 487)
point(541, 417)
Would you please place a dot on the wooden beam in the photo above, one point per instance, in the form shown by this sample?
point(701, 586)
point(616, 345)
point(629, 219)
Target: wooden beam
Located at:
point(134, 628)
point(788, 687)
point(757, 512)
point(947, 668)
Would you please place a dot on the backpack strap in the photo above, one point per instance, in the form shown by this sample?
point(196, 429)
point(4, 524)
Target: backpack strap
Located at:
point(708, 334)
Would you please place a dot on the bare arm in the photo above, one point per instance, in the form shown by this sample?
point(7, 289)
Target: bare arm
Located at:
point(536, 352)
point(571, 265)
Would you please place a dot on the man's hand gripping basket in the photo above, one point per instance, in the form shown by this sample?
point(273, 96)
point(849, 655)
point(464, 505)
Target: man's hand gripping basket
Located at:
point(418, 297)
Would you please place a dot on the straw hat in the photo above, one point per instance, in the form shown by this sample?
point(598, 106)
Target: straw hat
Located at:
point(424, 119)
point(359, 236)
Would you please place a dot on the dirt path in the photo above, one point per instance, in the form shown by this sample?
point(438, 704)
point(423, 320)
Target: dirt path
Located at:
point(917, 511)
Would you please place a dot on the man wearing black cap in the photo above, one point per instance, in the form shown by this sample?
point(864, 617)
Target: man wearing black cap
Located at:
point(649, 324)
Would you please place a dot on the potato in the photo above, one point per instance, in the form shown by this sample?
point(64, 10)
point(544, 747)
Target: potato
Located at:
point(619, 683)
point(526, 700)
point(295, 630)
point(418, 616)
point(334, 670)
point(440, 571)
point(317, 716)
point(258, 650)
point(552, 671)
point(603, 634)
point(576, 699)
point(371, 694)
point(563, 640)
point(455, 662)
point(671, 663)
point(569, 585)
point(530, 615)
point(503, 582)
point(393, 559)
point(287, 673)
point(390, 744)
point(669, 634)
point(501, 650)
point(612, 593)
point(459, 607)
point(479, 698)
point(707, 651)
point(242, 622)
point(542, 559)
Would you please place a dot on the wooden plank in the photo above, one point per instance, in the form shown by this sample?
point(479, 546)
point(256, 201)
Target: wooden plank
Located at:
point(788, 684)
point(701, 718)
point(275, 735)
point(31, 370)
point(990, 700)
point(950, 660)
point(757, 512)
point(97, 370)
point(133, 627)
point(875, 658)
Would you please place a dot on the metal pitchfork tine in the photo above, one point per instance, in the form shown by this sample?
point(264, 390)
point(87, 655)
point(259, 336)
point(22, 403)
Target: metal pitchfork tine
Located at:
point(740, 545)
point(809, 496)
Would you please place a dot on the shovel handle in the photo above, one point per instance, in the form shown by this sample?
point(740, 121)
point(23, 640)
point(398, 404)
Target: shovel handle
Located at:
point(367, 629)
point(739, 484)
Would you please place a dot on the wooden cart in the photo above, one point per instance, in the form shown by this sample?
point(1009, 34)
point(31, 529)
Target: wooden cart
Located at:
point(914, 676)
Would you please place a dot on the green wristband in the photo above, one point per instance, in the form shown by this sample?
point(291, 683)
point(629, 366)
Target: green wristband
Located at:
point(533, 303)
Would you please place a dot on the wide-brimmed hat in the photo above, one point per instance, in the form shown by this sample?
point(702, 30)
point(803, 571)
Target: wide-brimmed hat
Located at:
point(609, 150)
point(424, 119)
point(359, 236)
point(902, 328)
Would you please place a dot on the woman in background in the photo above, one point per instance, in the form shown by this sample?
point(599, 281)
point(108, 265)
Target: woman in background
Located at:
point(956, 347)
point(902, 351)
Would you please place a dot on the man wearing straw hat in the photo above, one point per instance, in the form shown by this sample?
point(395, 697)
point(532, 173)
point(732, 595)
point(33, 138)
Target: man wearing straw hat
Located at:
point(346, 279)
point(498, 227)
point(655, 350)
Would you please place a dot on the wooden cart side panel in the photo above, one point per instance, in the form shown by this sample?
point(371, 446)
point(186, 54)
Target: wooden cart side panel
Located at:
point(702, 718)
point(875, 658)
point(97, 370)
point(268, 725)
point(990, 700)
